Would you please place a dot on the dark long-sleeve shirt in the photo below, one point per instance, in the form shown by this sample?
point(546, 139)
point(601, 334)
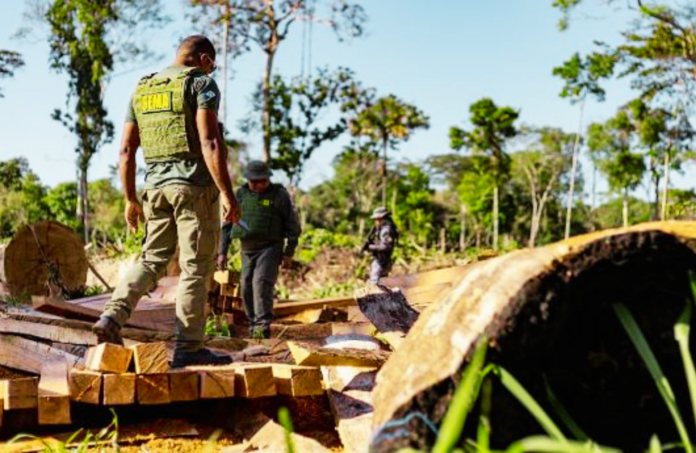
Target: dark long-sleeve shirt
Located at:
point(291, 228)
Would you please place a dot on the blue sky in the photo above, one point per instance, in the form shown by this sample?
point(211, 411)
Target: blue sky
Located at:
point(440, 55)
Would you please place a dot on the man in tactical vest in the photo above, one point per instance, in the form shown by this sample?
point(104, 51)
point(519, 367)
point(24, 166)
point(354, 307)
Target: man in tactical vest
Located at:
point(268, 219)
point(380, 242)
point(173, 117)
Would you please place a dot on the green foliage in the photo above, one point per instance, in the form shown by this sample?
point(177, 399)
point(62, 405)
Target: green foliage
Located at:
point(133, 245)
point(75, 444)
point(15, 301)
point(217, 326)
point(313, 241)
point(9, 62)
point(582, 76)
point(286, 423)
point(21, 197)
point(62, 203)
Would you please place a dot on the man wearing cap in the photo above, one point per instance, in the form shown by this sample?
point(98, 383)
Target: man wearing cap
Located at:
point(380, 242)
point(172, 116)
point(268, 232)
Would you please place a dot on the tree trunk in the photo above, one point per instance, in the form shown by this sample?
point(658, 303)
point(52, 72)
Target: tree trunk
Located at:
point(83, 204)
point(443, 241)
point(573, 169)
point(384, 172)
point(665, 191)
point(495, 217)
point(624, 210)
point(223, 66)
point(266, 87)
point(462, 232)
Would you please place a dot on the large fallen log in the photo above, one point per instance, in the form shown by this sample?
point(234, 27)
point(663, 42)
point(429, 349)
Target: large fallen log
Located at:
point(27, 355)
point(548, 315)
point(47, 252)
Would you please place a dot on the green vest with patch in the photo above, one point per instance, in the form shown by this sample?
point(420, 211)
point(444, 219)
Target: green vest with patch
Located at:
point(167, 124)
point(260, 214)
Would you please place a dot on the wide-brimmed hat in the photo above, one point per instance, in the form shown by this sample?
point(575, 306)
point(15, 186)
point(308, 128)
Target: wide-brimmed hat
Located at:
point(380, 212)
point(257, 169)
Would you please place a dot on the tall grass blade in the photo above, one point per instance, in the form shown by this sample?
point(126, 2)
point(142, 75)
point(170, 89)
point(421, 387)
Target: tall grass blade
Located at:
point(543, 444)
point(483, 433)
point(663, 386)
point(681, 334)
point(530, 403)
point(563, 414)
point(462, 401)
point(286, 422)
point(655, 446)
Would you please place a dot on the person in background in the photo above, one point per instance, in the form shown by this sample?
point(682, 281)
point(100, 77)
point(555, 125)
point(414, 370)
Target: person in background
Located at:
point(268, 231)
point(380, 242)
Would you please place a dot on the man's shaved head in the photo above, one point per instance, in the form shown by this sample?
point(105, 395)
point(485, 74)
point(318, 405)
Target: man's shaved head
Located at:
point(195, 45)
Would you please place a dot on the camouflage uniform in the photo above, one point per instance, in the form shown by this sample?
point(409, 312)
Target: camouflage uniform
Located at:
point(180, 202)
point(381, 249)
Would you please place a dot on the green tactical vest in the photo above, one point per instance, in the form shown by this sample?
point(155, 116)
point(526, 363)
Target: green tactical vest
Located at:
point(167, 124)
point(260, 214)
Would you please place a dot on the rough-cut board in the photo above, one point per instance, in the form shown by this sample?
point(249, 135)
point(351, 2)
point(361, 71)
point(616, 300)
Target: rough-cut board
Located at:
point(146, 319)
point(216, 383)
point(150, 358)
point(85, 386)
point(28, 355)
point(153, 389)
point(293, 380)
point(183, 385)
point(54, 394)
point(288, 308)
point(119, 389)
point(20, 393)
point(109, 358)
point(313, 354)
point(53, 333)
point(254, 380)
point(426, 278)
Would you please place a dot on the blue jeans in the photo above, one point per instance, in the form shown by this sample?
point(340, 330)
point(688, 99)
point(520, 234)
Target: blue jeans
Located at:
point(259, 276)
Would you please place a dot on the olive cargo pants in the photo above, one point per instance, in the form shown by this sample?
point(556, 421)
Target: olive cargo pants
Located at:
point(187, 215)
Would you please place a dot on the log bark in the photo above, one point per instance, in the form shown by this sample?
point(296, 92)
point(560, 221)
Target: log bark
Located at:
point(545, 311)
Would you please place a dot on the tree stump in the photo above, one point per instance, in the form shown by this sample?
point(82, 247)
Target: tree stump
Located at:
point(547, 314)
point(42, 254)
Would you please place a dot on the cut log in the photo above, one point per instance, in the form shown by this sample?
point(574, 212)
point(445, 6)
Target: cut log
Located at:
point(150, 358)
point(52, 333)
point(85, 386)
point(548, 314)
point(254, 381)
point(420, 297)
point(153, 389)
point(119, 389)
point(387, 310)
point(109, 358)
point(295, 381)
point(20, 393)
point(313, 354)
point(37, 250)
point(28, 355)
point(183, 385)
point(156, 320)
point(216, 382)
point(54, 394)
point(285, 308)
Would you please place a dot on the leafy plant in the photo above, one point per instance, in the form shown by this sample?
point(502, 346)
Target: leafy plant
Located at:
point(217, 326)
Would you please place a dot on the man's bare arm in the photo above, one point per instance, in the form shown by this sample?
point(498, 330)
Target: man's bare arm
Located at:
point(126, 159)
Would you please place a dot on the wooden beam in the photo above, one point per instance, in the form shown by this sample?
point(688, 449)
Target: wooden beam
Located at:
point(216, 382)
point(150, 358)
point(150, 319)
point(85, 386)
point(153, 389)
point(426, 278)
point(293, 380)
point(54, 394)
point(313, 354)
point(254, 380)
point(183, 385)
point(20, 393)
point(53, 333)
point(119, 389)
point(285, 308)
point(109, 358)
point(28, 355)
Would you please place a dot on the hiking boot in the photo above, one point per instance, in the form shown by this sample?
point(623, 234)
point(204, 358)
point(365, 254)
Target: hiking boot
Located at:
point(107, 331)
point(203, 356)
